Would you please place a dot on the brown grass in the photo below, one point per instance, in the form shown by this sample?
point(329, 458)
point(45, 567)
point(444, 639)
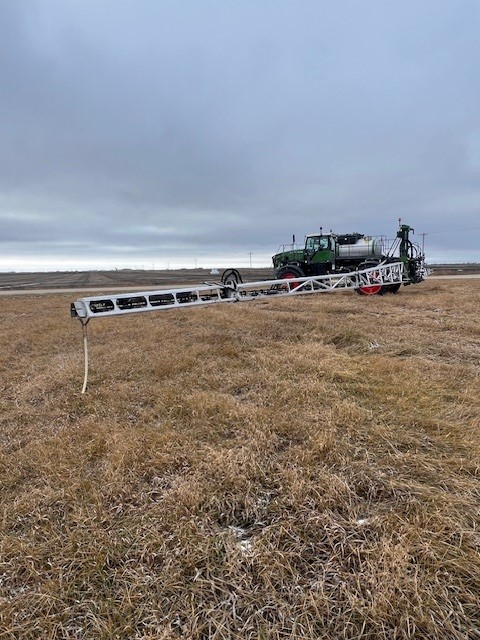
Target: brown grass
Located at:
point(289, 468)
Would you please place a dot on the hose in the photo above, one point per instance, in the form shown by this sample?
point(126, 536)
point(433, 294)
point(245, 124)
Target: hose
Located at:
point(85, 352)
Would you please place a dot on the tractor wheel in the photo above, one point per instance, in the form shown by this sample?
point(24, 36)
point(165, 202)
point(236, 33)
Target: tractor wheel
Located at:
point(390, 288)
point(394, 288)
point(370, 289)
point(289, 272)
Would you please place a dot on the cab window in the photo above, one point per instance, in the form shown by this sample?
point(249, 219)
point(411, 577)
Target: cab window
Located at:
point(317, 243)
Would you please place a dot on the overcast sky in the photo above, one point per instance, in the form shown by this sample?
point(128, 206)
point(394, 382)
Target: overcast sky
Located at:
point(140, 132)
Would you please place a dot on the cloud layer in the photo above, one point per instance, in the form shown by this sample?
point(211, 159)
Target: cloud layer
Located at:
point(168, 132)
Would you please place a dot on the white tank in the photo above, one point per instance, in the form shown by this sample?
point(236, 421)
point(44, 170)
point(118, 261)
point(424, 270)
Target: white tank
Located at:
point(363, 248)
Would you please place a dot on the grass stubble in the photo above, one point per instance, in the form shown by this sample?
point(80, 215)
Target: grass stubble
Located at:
point(290, 468)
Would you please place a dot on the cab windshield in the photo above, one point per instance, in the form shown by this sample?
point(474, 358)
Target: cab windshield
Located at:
point(317, 243)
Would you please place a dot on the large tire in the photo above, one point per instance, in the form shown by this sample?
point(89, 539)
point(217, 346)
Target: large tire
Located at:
point(289, 272)
point(391, 288)
point(372, 289)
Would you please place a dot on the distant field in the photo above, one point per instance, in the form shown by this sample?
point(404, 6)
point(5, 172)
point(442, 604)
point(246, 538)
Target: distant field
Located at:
point(121, 278)
point(456, 269)
point(154, 278)
point(285, 468)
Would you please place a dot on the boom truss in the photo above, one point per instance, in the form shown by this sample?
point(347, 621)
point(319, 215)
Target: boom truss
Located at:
point(232, 291)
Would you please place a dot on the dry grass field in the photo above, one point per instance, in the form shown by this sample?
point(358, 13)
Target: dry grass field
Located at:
point(286, 468)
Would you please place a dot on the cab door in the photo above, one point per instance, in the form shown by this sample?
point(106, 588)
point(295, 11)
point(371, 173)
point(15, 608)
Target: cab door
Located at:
point(321, 253)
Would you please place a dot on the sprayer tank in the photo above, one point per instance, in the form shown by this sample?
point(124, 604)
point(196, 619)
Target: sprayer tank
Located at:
point(365, 247)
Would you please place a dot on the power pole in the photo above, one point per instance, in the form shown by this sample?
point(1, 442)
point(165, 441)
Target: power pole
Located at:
point(423, 242)
point(250, 254)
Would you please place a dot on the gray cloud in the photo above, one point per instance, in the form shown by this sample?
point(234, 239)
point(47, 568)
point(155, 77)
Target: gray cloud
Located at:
point(141, 129)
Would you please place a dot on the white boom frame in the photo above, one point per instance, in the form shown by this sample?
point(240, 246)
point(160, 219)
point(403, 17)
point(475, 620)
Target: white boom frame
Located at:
point(164, 299)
